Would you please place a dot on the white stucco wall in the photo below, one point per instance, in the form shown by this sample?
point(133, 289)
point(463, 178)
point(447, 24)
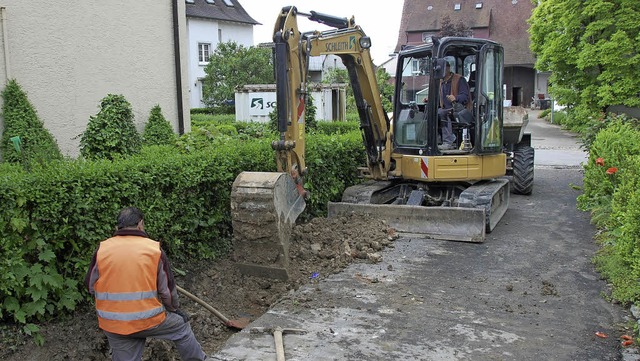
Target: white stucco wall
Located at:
point(206, 31)
point(68, 55)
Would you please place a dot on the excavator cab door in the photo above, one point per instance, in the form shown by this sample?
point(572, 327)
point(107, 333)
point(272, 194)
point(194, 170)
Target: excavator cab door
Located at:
point(489, 97)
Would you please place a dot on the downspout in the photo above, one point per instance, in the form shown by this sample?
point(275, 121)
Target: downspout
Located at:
point(5, 42)
point(176, 54)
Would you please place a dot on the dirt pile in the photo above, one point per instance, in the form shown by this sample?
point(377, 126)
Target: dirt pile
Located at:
point(319, 248)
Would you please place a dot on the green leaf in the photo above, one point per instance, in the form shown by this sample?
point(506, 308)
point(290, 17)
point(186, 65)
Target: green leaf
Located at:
point(46, 255)
point(18, 224)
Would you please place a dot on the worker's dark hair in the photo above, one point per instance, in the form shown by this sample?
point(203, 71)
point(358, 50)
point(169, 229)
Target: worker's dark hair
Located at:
point(129, 217)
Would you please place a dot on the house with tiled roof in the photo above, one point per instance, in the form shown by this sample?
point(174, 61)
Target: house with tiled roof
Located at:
point(210, 22)
point(504, 21)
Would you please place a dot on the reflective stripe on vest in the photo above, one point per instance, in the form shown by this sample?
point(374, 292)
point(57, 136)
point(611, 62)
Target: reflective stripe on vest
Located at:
point(125, 296)
point(131, 316)
point(126, 290)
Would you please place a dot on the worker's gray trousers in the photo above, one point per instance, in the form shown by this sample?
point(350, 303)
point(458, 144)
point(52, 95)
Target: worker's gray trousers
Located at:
point(130, 347)
point(448, 137)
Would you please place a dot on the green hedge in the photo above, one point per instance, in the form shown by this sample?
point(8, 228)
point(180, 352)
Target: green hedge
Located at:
point(337, 127)
point(612, 195)
point(53, 218)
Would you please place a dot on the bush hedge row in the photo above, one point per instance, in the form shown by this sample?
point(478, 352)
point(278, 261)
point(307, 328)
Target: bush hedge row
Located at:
point(612, 195)
point(53, 217)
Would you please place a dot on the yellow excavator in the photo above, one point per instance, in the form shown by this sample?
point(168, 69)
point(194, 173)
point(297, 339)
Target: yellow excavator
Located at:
point(454, 194)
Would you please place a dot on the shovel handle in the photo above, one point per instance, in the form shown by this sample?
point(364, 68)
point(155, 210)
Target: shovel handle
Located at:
point(203, 304)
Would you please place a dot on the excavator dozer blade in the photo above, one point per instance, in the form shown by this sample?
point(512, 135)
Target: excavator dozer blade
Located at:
point(445, 223)
point(264, 208)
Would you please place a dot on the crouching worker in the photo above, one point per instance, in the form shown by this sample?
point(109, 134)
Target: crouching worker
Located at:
point(135, 292)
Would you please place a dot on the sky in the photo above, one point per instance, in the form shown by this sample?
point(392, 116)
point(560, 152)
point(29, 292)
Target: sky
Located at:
point(380, 23)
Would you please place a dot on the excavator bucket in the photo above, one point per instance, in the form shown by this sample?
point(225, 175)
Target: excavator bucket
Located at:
point(446, 223)
point(264, 208)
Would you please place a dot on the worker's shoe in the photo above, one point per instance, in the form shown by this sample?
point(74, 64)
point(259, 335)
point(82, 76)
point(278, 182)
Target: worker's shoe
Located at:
point(446, 146)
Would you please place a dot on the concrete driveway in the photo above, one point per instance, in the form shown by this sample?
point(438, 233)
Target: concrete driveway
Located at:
point(529, 292)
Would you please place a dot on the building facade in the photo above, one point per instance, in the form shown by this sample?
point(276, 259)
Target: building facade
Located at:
point(68, 55)
point(209, 23)
point(504, 21)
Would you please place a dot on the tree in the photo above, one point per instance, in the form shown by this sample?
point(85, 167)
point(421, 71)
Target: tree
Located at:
point(111, 131)
point(338, 75)
point(591, 48)
point(231, 66)
point(385, 88)
point(158, 131)
point(35, 142)
point(449, 28)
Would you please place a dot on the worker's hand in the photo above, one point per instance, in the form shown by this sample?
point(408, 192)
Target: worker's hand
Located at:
point(452, 98)
point(182, 314)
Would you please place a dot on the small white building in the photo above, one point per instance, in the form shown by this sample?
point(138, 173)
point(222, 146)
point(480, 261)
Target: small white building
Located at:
point(209, 23)
point(254, 102)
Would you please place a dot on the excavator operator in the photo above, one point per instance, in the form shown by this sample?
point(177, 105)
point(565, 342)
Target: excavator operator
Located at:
point(453, 89)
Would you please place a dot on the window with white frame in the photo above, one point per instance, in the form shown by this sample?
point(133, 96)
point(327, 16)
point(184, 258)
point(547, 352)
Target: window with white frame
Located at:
point(204, 51)
point(414, 66)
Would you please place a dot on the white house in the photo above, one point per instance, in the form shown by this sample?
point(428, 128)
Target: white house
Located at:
point(210, 22)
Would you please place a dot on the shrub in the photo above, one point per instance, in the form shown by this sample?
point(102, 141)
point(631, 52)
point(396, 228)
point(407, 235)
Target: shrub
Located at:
point(227, 129)
point(111, 131)
point(543, 114)
point(194, 111)
point(158, 131)
point(619, 258)
point(21, 120)
point(612, 147)
point(333, 163)
point(203, 120)
point(337, 127)
point(559, 117)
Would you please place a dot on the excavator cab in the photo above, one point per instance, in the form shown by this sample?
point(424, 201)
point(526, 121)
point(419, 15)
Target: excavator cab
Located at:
point(476, 125)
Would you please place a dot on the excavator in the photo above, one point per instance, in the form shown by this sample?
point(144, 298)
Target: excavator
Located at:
point(418, 187)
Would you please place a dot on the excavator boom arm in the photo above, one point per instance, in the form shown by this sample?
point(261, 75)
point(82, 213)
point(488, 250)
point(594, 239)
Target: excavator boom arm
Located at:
point(349, 42)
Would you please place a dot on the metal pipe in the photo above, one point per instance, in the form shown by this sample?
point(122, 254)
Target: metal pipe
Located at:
point(5, 42)
point(178, 66)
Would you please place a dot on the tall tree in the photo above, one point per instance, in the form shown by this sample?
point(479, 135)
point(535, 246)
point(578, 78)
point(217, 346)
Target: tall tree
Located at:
point(591, 48)
point(385, 87)
point(449, 28)
point(233, 65)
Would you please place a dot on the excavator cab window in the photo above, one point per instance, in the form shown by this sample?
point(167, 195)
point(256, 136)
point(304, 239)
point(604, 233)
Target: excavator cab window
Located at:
point(415, 79)
point(411, 127)
point(490, 98)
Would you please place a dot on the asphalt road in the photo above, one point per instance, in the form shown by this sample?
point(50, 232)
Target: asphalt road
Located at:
point(529, 292)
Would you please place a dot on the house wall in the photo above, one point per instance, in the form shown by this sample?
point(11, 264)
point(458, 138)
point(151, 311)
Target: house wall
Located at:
point(206, 31)
point(522, 79)
point(68, 55)
point(542, 83)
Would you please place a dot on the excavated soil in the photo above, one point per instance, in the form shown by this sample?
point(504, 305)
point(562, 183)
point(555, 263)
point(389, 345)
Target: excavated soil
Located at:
point(318, 248)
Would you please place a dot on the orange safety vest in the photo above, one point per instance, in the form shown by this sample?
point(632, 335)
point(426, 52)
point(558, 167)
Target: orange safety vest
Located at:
point(126, 291)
